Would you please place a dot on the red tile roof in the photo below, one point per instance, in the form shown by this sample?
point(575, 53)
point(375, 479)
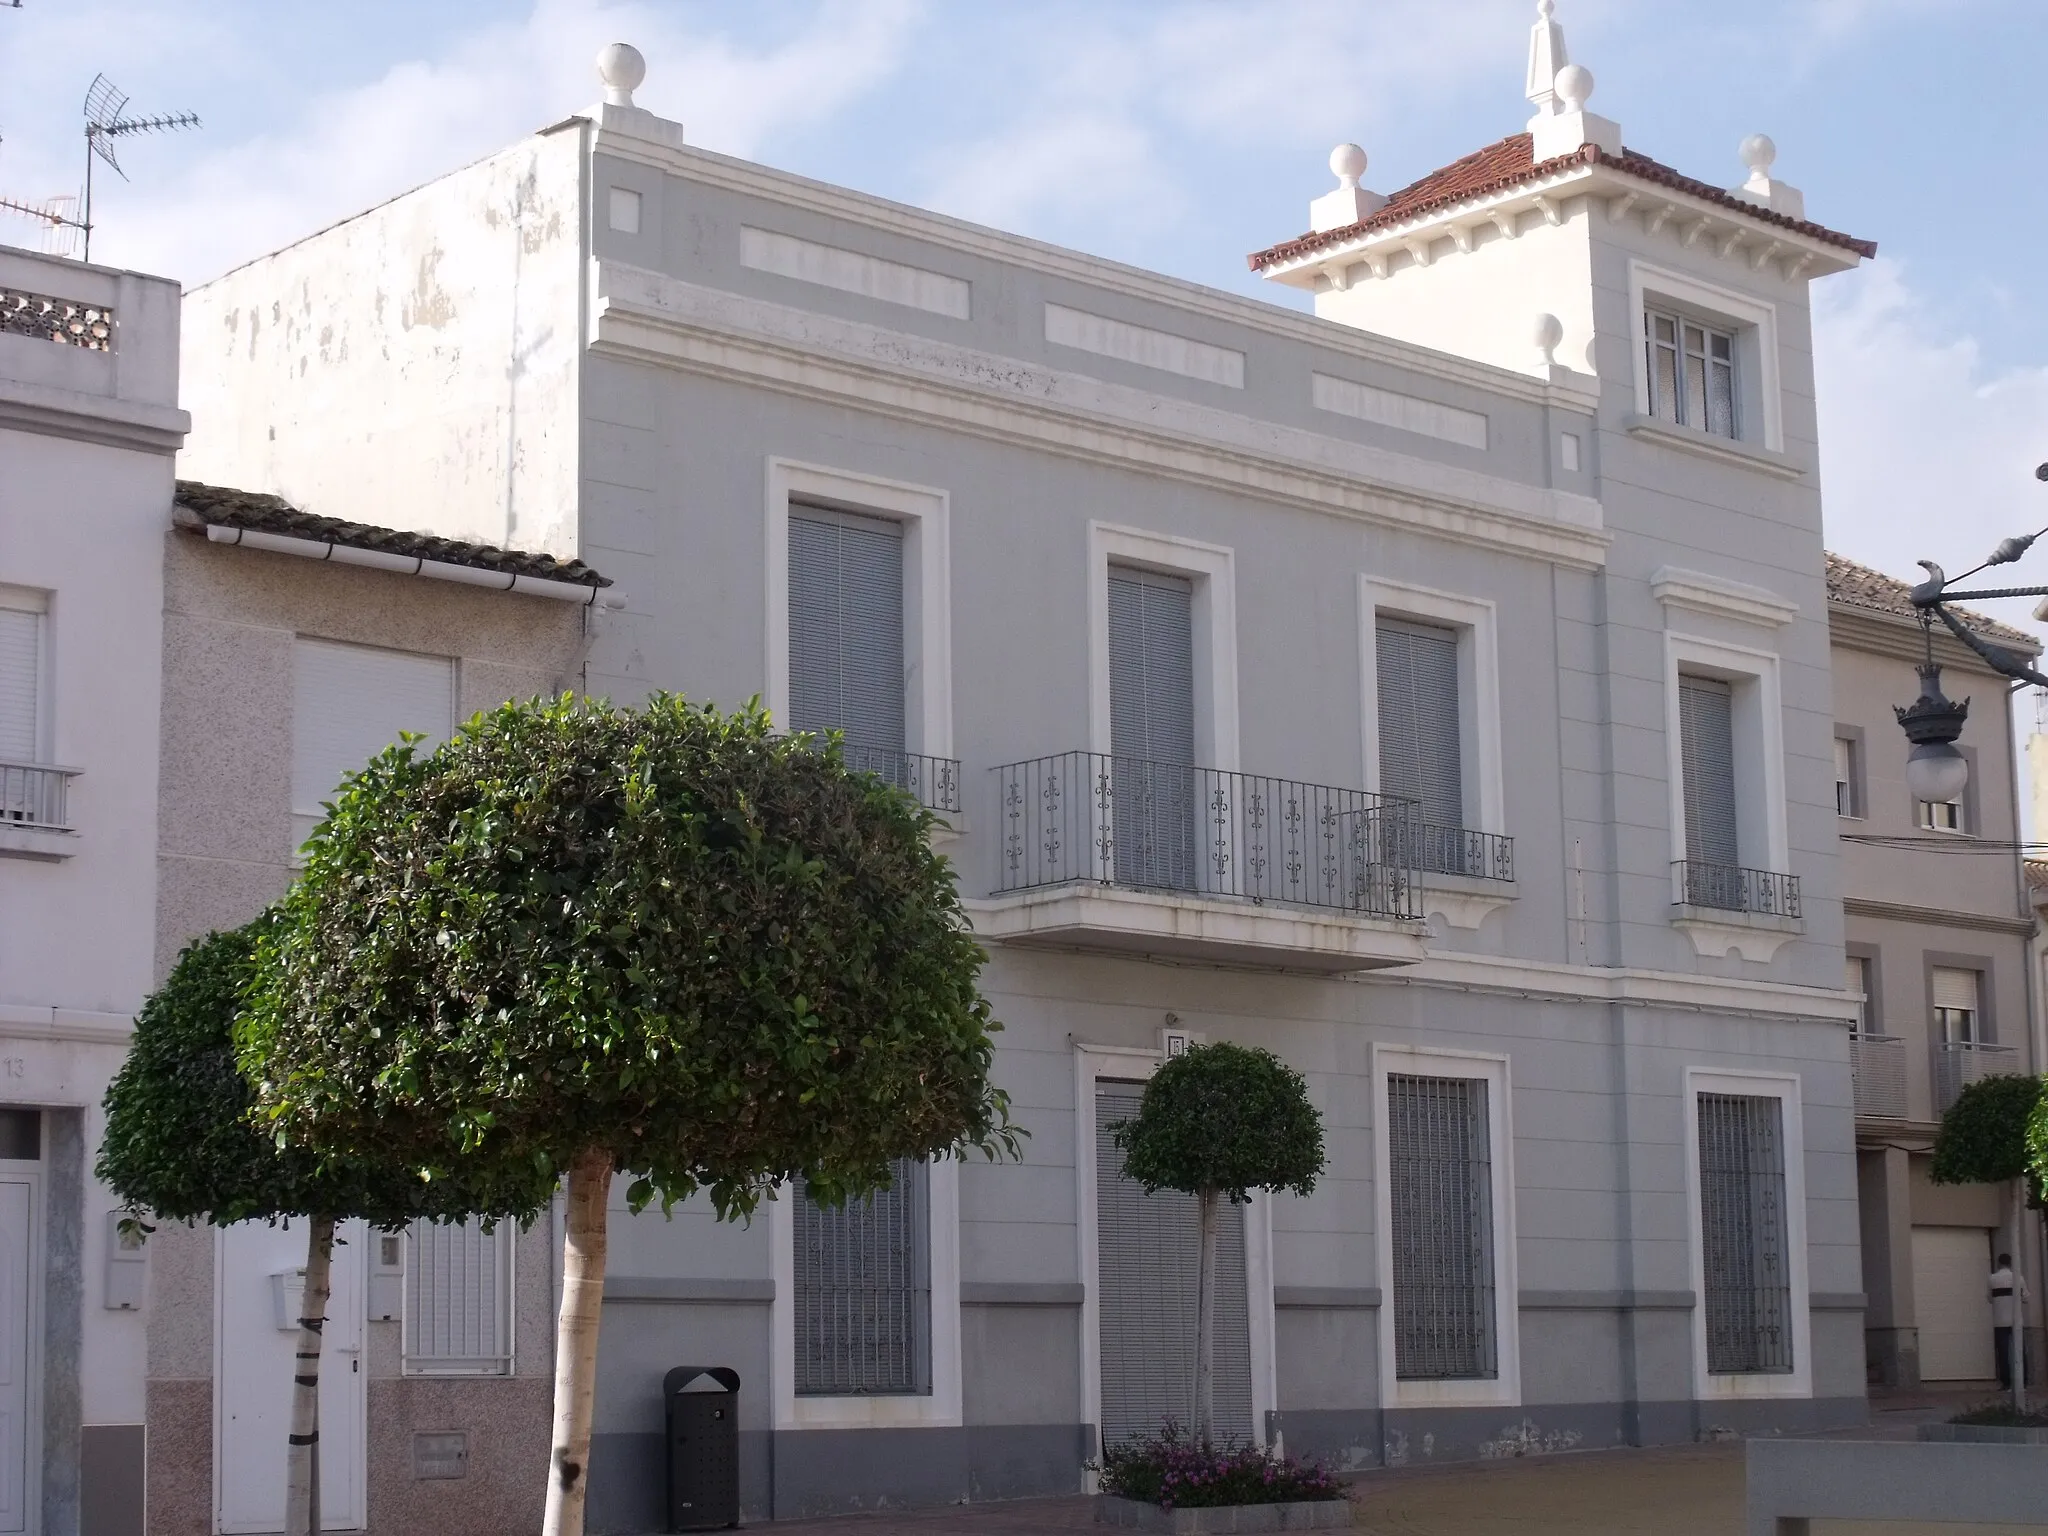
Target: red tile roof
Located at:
point(1857, 586)
point(1512, 163)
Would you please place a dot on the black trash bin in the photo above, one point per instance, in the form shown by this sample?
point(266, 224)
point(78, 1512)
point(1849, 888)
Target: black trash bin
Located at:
point(703, 1447)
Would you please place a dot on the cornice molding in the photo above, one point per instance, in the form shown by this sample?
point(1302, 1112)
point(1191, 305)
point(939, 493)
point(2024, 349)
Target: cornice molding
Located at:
point(1937, 917)
point(46, 412)
point(1898, 637)
point(613, 137)
point(647, 317)
point(1722, 449)
point(1605, 984)
point(1700, 592)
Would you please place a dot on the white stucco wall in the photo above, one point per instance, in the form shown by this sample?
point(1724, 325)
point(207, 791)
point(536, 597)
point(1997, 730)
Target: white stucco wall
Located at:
point(414, 367)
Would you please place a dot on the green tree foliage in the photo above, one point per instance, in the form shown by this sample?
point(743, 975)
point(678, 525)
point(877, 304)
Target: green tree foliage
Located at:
point(579, 938)
point(1224, 1118)
point(1984, 1137)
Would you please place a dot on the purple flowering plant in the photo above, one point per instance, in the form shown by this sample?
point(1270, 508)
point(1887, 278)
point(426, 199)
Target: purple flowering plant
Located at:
point(1174, 1471)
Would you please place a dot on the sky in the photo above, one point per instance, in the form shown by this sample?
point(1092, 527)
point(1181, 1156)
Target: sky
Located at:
point(1176, 135)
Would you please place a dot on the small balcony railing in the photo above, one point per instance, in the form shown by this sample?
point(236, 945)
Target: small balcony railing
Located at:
point(35, 795)
point(1729, 888)
point(933, 782)
point(1126, 821)
point(1442, 850)
point(1877, 1065)
point(1959, 1063)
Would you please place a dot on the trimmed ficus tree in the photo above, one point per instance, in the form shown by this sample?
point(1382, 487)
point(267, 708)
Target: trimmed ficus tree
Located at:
point(181, 1145)
point(1217, 1122)
point(1992, 1134)
point(661, 942)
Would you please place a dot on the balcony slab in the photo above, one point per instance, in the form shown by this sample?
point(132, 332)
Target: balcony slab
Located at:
point(1176, 925)
point(48, 844)
point(1716, 932)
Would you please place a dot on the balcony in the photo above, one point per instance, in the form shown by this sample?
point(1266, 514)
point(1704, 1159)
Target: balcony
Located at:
point(1125, 854)
point(1877, 1065)
point(1959, 1063)
point(35, 819)
point(933, 782)
point(1724, 908)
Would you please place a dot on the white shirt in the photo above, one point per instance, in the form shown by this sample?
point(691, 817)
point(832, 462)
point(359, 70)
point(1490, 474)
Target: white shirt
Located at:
point(2002, 1308)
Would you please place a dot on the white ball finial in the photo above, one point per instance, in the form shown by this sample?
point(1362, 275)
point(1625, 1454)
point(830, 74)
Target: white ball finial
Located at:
point(1574, 87)
point(1759, 154)
point(1347, 164)
point(1545, 8)
point(621, 68)
point(1548, 333)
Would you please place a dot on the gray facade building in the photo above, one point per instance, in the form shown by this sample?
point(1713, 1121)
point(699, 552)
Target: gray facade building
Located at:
point(1450, 719)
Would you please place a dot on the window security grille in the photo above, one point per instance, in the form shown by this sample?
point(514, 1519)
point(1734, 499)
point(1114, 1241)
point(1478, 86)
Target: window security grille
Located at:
point(349, 702)
point(1152, 727)
point(458, 1299)
point(1743, 1235)
point(1440, 1173)
point(1692, 373)
point(846, 627)
point(863, 1294)
point(1706, 728)
point(1955, 1005)
point(1148, 1252)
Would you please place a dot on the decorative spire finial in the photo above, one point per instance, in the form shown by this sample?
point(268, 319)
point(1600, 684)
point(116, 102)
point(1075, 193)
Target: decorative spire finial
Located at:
point(1546, 57)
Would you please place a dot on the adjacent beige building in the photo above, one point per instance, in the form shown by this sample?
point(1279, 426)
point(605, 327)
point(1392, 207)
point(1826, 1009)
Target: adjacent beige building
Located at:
point(1939, 930)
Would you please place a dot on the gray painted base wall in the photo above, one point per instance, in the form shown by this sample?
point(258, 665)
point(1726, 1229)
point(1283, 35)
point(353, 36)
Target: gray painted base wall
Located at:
point(110, 1480)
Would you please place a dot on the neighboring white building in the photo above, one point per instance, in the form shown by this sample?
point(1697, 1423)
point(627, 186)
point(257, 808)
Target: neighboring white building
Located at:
point(89, 422)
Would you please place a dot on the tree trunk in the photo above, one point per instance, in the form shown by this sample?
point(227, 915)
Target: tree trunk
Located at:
point(583, 1245)
point(2019, 1292)
point(1205, 1323)
point(302, 1456)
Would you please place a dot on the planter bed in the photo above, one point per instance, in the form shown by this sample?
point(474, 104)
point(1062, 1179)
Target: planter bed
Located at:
point(1986, 1434)
point(1224, 1519)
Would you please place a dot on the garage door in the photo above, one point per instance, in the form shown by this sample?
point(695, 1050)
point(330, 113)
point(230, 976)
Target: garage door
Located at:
point(1950, 1268)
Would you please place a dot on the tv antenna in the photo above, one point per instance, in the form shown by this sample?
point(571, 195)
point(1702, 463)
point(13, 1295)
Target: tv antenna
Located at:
point(58, 215)
point(104, 123)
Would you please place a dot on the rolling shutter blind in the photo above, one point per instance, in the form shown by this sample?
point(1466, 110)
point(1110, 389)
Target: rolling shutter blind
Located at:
point(1152, 726)
point(862, 1301)
point(1845, 777)
point(1955, 988)
point(1707, 740)
point(1856, 978)
point(846, 629)
point(458, 1299)
point(21, 684)
point(1743, 1240)
point(1440, 1173)
point(1148, 1251)
point(350, 702)
point(1418, 703)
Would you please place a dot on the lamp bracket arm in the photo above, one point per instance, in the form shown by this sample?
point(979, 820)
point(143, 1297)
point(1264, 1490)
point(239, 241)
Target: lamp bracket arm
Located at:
point(2002, 661)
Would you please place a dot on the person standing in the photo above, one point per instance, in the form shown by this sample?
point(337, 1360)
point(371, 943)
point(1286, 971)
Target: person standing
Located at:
point(2008, 1298)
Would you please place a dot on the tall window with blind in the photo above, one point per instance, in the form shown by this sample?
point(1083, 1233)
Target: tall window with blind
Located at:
point(1746, 1261)
point(1706, 724)
point(1848, 778)
point(1691, 372)
point(349, 702)
point(846, 634)
point(23, 728)
point(1957, 1016)
point(1421, 755)
point(1440, 1180)
point(1857, 978)
point(1152, 727)
point(457, 1318)
point(862, 1290)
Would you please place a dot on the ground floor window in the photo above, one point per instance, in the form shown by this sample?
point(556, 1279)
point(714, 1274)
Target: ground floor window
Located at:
point(862, 1290)
point(1743, 1238)
point(1440, 1174)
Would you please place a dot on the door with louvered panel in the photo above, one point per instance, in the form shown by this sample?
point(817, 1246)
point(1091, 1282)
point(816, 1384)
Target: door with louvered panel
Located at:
point(1706, 723)
point(1148, 1261)
point(1421, 757)
point(846, 634)
point(1152, 727)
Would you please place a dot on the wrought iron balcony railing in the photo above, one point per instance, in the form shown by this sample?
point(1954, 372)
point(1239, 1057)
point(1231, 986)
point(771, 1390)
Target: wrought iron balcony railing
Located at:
point(933, 782)
point(1442, 850)
point(1959, 1063)
point(1728, 888)
point(34, 795)
point(1877, 1065)
point(1126, 821)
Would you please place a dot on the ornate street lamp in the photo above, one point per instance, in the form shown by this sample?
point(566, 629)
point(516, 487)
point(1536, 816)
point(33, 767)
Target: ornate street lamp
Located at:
point(1935, 770)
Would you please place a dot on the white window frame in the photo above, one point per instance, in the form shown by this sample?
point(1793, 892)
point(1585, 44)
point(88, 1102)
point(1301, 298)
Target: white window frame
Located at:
point(1212, 568)
point(938, 1408)
point(1759, 722)
point(925, 514)
point(1785, 1088)
point(1504, 1390)
point(36, 600)
point(1476, 622)
point(1136, 1064)
point(1925, 819)
point(1759, 405)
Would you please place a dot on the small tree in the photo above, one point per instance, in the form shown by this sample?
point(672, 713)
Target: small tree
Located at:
point(1988, 1137)
point(180, 1145)
point(1216, 1122)
point(580, 939)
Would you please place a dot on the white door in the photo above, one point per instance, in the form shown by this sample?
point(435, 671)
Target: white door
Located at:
point(253, 1361)
point(16, 1205)
point(1952, 1303)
